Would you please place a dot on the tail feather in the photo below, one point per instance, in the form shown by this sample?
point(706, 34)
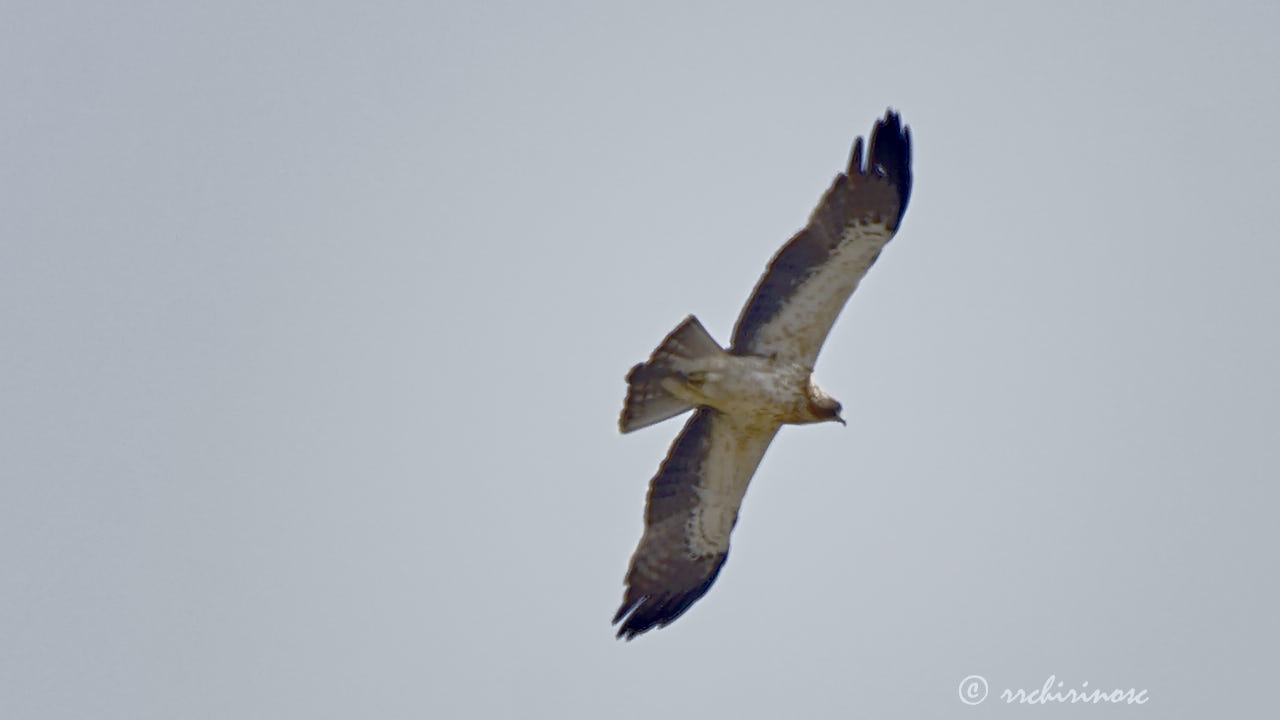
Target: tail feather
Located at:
point(648, 402)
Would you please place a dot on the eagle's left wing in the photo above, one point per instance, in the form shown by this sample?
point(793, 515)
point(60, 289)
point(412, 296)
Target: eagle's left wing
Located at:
point(693, 505)
point(808, 282)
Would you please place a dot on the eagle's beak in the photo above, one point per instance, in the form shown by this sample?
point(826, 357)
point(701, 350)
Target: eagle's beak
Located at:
point(841, 421)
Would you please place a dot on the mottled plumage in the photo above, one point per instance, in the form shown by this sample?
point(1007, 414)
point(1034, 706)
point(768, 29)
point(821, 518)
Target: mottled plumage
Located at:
point(763, 381)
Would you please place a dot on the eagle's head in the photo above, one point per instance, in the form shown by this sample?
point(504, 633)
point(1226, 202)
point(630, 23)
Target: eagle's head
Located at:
point(822, 406)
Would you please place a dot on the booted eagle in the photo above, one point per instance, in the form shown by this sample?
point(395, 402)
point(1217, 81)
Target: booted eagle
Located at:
point(742, 395)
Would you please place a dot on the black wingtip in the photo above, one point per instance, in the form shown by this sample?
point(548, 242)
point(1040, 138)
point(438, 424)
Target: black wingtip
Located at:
point(640, 614)
point(889, 155)
point(645, 613)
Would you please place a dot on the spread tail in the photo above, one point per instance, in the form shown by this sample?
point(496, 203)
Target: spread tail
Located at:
point(648, 402)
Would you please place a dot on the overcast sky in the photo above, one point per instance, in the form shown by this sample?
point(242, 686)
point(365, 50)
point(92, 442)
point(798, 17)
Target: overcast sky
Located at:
point(314, 319)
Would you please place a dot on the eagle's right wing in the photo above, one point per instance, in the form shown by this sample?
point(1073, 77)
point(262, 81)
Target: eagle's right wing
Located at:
point(808, 282)
point(692, 507)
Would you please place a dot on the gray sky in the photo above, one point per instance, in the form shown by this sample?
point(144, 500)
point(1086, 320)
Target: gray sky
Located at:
point(315, 318)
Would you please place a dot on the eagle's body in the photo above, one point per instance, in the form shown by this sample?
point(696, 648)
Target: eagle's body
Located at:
point(744, 394)
point(757, 390)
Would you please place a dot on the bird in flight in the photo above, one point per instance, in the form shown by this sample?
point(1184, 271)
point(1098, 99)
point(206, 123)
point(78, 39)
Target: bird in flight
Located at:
point(744, 394)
